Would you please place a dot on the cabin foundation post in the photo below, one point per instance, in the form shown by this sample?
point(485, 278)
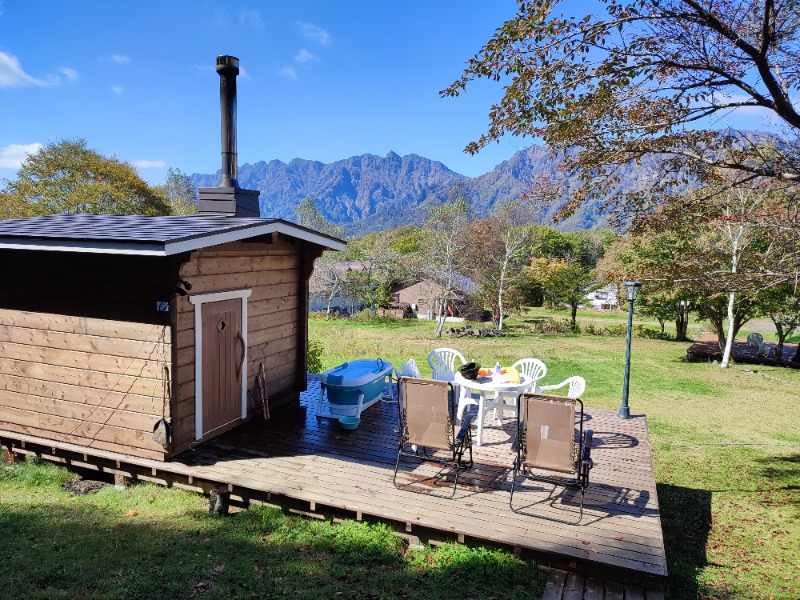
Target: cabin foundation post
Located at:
point(8, 455)
point(121, 481)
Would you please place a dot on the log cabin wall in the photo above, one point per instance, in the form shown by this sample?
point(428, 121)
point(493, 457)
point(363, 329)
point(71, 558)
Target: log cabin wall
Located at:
point(277, 313)
point(83, 348)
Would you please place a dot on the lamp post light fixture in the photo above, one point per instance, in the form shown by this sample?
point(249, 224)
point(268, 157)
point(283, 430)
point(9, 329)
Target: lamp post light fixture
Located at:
point(632, 289)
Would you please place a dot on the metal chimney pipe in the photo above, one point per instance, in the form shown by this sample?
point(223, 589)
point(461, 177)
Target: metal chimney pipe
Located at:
point(228, 69)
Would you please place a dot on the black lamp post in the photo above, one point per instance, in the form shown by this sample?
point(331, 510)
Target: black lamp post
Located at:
point(632, 289)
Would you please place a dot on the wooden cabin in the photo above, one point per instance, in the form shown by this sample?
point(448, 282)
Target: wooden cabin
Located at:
point(108, 322)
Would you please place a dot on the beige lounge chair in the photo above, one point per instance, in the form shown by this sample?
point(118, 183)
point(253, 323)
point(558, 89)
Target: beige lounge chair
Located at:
point(427, 414)
point(547, 443)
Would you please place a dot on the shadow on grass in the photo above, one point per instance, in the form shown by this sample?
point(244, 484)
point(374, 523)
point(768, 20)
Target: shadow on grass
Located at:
point(95, 547)
point(686, 522)
point(783, 470)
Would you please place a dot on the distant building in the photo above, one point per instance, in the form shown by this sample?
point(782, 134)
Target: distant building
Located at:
point(343, 302)
point(424, 297)
point(604, 297)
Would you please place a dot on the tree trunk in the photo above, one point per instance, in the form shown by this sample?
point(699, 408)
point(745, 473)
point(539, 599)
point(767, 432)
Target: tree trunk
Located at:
point(682, 325)
point(661, 322)
point(440, 315)
point(782, 335)
point(726, 353)
point(500, 294)
point(574, 308)
point(328, 310)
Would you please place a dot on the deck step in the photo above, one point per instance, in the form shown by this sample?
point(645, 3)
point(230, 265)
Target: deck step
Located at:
point(573, 586)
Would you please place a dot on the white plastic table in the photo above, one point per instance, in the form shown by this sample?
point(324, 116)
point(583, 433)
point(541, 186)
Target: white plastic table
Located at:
point(483, 385)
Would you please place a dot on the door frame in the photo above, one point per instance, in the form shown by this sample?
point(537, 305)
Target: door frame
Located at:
point(198, 300)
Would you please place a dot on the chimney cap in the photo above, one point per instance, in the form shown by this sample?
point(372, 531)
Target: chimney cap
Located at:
point(228, 64)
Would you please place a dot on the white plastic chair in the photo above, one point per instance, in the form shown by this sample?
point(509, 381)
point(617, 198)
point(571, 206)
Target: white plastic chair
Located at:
point(576, 383)
point(531, 368)
point(445, 362)
point(408, 369)
point(755, 339)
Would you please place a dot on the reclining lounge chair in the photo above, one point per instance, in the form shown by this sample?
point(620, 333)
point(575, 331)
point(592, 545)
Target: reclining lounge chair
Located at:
point(427, 413)
point(548, 441)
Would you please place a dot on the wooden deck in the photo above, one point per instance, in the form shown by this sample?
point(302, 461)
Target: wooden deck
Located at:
point(706, 349)
point(314, 467)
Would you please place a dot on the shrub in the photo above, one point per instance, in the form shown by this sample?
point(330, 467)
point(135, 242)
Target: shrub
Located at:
point(650, 334)
point(314, 356)
point(554, 326)
point(368, 316)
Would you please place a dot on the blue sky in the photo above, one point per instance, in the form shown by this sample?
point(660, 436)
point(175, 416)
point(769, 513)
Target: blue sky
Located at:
point(321, 80)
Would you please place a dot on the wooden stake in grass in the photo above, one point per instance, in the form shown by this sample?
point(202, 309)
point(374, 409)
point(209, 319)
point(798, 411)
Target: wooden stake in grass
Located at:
point(219, 502)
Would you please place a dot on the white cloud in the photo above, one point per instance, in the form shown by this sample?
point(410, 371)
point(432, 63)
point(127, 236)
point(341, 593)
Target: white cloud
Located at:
point(316, 34)
point(12, 156)
point(304, 56)
point(70, 74)
point(288, 72)
point(251, 18)
point(12, 75)
point(120, 59)
point(117, 89)
point(149, 164)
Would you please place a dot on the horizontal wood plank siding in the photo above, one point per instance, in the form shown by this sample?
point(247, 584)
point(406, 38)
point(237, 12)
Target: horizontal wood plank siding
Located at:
point(275, 308)
point(93, 382)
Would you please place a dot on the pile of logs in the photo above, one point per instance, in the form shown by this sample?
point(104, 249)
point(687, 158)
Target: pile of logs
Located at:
point(468, 331)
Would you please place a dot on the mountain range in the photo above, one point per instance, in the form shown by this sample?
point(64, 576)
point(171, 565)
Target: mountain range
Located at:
point(370, 193)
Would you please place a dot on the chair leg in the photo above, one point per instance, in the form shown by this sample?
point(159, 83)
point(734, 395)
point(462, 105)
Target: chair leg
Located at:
point(455, 483)
point(396, 467)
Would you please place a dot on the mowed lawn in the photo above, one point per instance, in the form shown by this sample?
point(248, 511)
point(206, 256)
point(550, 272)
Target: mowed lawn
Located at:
point(726, 443)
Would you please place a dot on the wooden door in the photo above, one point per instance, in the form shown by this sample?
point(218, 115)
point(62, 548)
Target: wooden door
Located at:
point(223, 352)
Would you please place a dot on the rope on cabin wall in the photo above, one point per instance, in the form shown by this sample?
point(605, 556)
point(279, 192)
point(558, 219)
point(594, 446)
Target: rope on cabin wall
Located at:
point(160, 344)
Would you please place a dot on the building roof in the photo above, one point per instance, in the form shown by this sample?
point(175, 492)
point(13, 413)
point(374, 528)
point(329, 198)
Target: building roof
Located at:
point(151, 236)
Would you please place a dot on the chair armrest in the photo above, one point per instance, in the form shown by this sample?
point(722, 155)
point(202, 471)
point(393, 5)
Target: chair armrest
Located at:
point(586, 446)
point(466, 422)
point(551, 387)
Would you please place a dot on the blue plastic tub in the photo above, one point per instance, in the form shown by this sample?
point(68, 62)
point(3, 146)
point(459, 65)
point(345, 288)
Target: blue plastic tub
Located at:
point(346, 383)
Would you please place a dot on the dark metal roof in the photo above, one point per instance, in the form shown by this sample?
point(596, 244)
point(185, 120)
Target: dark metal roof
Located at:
point(128, 234)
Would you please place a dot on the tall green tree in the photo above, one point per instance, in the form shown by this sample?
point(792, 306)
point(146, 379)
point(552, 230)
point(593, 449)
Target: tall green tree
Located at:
point(563, 282)
point(782, 305)
point(500, 250)
point(308, 215)
point(640, 77)
point(179, 192)
point(69, 177)
point(446, 249)
point(329, 278)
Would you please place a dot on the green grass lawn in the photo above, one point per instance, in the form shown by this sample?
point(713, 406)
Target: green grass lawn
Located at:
point(156, 543)
point(726, 445)
point(726, 452)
